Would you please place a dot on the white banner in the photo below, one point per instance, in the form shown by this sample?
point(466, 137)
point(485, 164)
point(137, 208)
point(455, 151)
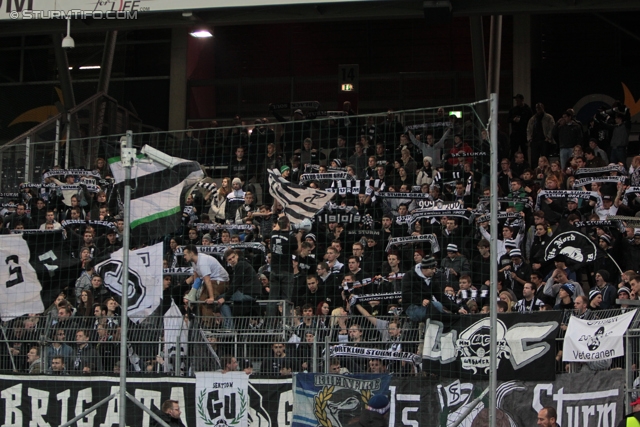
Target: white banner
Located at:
point(175, 331)
point(592, 340)
point(21, 291)
point(222, 399)
point(145, 279)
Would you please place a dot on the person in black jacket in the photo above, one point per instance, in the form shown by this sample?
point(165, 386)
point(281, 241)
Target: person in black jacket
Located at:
point(420, 286)
point(245, 287)
point(170, 414)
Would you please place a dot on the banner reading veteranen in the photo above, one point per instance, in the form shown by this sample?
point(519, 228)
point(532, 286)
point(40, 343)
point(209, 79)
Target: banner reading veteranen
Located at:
point(222, 399)
point(592, 340)
point(333, 400)
point(458, 346)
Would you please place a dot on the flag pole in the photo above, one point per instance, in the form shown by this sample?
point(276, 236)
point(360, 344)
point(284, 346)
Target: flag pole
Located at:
point(127, 156)
point(128, 159)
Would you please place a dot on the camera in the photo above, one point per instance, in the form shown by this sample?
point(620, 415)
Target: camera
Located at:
point(68, 43)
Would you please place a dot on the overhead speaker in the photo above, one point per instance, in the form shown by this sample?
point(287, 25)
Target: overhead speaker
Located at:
point(437, 11)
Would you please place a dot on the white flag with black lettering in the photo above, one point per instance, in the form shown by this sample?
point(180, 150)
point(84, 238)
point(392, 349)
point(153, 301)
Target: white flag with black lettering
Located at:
point(222, 399)
point(299, 202)
point(598, 339)
point(176, 332)
point(145, 279)
point(21, 291)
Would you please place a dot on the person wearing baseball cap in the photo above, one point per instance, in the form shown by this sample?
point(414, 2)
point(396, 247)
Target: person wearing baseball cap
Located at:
point(572, 209)
point(633, 419)
point(422, 291)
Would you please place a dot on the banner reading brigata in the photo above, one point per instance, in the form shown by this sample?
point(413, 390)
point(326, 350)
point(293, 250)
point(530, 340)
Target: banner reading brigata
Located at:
point(586, 399)
point(222, 399)
point(458, 346)
point(333, 400)
point(598, 339)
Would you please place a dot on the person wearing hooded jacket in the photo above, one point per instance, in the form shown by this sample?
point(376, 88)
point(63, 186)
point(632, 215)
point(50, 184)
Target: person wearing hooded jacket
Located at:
point(422, 291)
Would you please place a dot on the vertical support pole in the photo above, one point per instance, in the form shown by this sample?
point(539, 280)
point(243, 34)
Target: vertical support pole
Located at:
point(27, 155)
point(178, 82)
point(493, 306)
point(495, 50)
point(56, 153)
point(479, 66)
point(127, 163)
point(68, 143)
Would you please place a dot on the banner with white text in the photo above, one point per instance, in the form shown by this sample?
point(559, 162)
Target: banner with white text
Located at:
point(222, 399)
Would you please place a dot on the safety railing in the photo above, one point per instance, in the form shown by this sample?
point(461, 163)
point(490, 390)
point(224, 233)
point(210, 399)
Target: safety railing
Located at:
point(290, 342)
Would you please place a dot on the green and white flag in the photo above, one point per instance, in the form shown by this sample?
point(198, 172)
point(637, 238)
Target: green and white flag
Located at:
point(156, 190)
point(222, 399)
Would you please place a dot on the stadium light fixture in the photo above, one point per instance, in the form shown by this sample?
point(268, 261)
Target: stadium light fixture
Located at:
point(201, 33)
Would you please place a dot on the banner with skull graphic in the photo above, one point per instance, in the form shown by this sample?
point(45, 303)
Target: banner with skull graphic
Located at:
point(458, 346)
point(576, 248)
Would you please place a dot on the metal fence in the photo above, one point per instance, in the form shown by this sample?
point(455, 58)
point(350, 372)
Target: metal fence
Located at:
point(180, 346)
point(26, 159)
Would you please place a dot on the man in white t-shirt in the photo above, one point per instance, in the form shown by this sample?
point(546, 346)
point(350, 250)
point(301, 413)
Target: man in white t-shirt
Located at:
point(208, 270)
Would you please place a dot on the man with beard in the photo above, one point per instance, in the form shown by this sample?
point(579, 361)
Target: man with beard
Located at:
point(529, 302)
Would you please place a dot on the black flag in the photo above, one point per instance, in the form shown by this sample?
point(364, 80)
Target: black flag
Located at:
point(576, 249)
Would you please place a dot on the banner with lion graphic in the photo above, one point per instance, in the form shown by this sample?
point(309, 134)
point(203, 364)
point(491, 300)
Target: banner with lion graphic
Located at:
point(329, 400)
point(222, 399)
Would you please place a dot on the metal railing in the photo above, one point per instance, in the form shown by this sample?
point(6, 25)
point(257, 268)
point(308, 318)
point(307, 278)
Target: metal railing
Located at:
point(306, 344)
point(25, 158)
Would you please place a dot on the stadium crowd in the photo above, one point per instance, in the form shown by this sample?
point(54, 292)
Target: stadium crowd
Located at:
point(405, 238)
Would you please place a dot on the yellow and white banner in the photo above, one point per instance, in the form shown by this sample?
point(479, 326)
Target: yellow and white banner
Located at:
point(222, 399)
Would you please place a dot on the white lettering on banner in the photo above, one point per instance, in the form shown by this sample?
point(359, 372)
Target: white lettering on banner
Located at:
point(113, 416)
point(63, 398)
point(603, 415)
point(521, 344)
point(13, 399)
point(519, 336)
point(285, 408)
point(407, 410)
point(148, 398)
point(85, 396)
point(443, 347)
point(39, 406)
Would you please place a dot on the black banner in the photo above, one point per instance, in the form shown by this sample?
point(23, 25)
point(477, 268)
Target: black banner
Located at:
point(458, 346)
point(54, 400)
point(587, 399)
point(576, 248)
